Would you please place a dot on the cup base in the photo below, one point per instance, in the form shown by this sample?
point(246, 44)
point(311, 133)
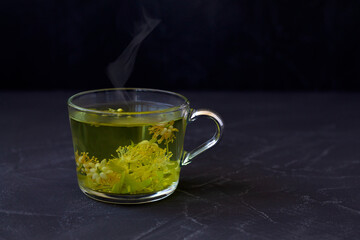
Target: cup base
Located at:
point(129, 199)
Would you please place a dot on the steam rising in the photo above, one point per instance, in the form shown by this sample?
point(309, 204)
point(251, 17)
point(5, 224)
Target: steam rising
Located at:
point(120, 70)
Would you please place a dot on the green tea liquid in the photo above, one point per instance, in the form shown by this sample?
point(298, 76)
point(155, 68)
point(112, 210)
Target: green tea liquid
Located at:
point(127, 154)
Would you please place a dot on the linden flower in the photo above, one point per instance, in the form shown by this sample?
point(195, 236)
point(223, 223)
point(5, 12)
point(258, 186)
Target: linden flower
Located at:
point(80, 160)
point(99, 172)
point(84, 162)
point(115, 110)
point(165, 131)
point(87, 166)
point(145, 166)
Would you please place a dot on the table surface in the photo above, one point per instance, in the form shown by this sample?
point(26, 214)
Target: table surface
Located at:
point(288, 167)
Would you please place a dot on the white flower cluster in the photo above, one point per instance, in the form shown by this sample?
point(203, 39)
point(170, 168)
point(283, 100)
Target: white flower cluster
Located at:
point(167, 131)
point(97, 171)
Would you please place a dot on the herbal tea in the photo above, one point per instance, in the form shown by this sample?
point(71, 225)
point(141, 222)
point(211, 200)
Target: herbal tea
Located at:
point(128, 142)
point(124, 153)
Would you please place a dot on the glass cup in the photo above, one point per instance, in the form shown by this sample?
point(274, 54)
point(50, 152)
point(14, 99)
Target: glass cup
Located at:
point(128, 142)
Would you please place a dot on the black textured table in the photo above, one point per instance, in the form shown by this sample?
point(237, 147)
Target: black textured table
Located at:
point(288, 167)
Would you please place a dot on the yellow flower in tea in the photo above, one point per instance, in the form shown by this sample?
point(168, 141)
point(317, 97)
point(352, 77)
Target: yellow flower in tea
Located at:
point(119, 110)
point(144, 167)
point(140, 158)
point(97, 173)
point(165, 131)
point(84, 162)
point(101, 173)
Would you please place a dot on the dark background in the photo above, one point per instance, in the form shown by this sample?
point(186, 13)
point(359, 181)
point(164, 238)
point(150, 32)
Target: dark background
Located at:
point(199, 44)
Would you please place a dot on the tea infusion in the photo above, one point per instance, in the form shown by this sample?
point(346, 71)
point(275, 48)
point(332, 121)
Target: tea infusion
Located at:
point(127, 154)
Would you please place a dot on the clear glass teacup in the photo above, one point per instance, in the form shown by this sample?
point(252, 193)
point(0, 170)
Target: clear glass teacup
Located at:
point(128, 142)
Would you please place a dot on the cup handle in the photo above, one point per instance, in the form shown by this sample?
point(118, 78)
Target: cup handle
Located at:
point(194, 114)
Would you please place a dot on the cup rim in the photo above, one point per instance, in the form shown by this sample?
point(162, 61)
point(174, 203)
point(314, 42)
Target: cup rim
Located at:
point(166, 110)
